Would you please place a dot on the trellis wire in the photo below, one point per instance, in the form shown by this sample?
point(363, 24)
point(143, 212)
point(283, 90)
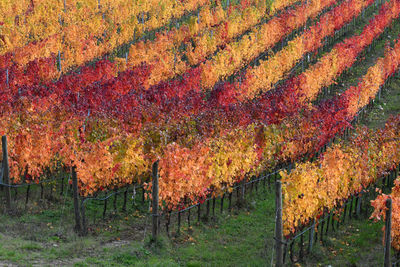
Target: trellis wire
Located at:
point(29, 184)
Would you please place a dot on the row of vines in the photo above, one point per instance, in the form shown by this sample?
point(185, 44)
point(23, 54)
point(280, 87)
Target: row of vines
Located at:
point(216, 91)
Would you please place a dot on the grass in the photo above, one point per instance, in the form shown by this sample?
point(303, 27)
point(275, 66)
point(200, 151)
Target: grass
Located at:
point(241, 238)
point(207, 244)
point(46, 238)
point(385, 106)
point(358, 243)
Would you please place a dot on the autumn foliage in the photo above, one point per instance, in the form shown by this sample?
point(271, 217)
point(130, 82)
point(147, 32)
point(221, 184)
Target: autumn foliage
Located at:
point(344, 170)
point(167, 96)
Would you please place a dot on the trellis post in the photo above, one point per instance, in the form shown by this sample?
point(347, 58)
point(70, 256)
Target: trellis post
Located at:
point(278, 224)
point(155, 199)
point(78, 228)
point(6, 173)
point(388, 228)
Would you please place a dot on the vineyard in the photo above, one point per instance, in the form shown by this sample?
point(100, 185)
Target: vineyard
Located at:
point(136, 129)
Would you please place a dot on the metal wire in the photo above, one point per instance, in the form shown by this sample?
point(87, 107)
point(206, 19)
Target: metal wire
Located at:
point(109, 195)
point(262, 177)
point(27, 184)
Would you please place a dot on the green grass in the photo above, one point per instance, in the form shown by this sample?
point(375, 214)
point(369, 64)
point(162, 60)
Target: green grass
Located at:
point(240, 238)
point(47, 238)
point(388, 105)
point(213, 244)
point(357, 243)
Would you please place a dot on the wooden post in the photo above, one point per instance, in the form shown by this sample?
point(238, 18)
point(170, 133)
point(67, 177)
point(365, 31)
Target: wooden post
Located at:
point(344, 213)
point(198, 212)
point(179, 223)
point(230, 202)
point(59, 62)
point(105, 208)
point(351, 206)
point(155, 199)
point(222, 202)
point(207, 210)
point(241, 191)
point(256, 186)
point(168, 222)
point(278, 225)
point(301, 253)
point(358, 206)
point(388, 182)
point(322, 230)
point(41, 191)
point(78, 227)
point(134, 196)
point(27, 195)
point(213, 208)
point(264, 182)
point(291, 251)
point(125, 199)
point(388, 228)
point(188, 218)
point(16, 193)
point(6, 172)
point(327, 223)
point(311, 237)
point(62, 186)
point(115, 201)
point(84, 231)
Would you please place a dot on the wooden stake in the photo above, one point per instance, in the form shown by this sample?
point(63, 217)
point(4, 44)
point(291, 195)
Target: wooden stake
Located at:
point(230, 202)
point(62, 186)
point(84, 231)
point(278, 224)
point(222, 202)
point(179, 223)
point(213, 208)
point(311, 237)
point(351, 207)
point(188, 218)
point(144, 192)
point(105, 208)
point(301, 254)
point(198, 212)
point(6, 172)
point(327, 223)
point(168, 222)
point(155, 199)
point(125, 199)
point(115, 201)
point(41, 191)
point(27, 195)
point(388, 228)
point(78, 227)
point(207, 210)
point(322, 230)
